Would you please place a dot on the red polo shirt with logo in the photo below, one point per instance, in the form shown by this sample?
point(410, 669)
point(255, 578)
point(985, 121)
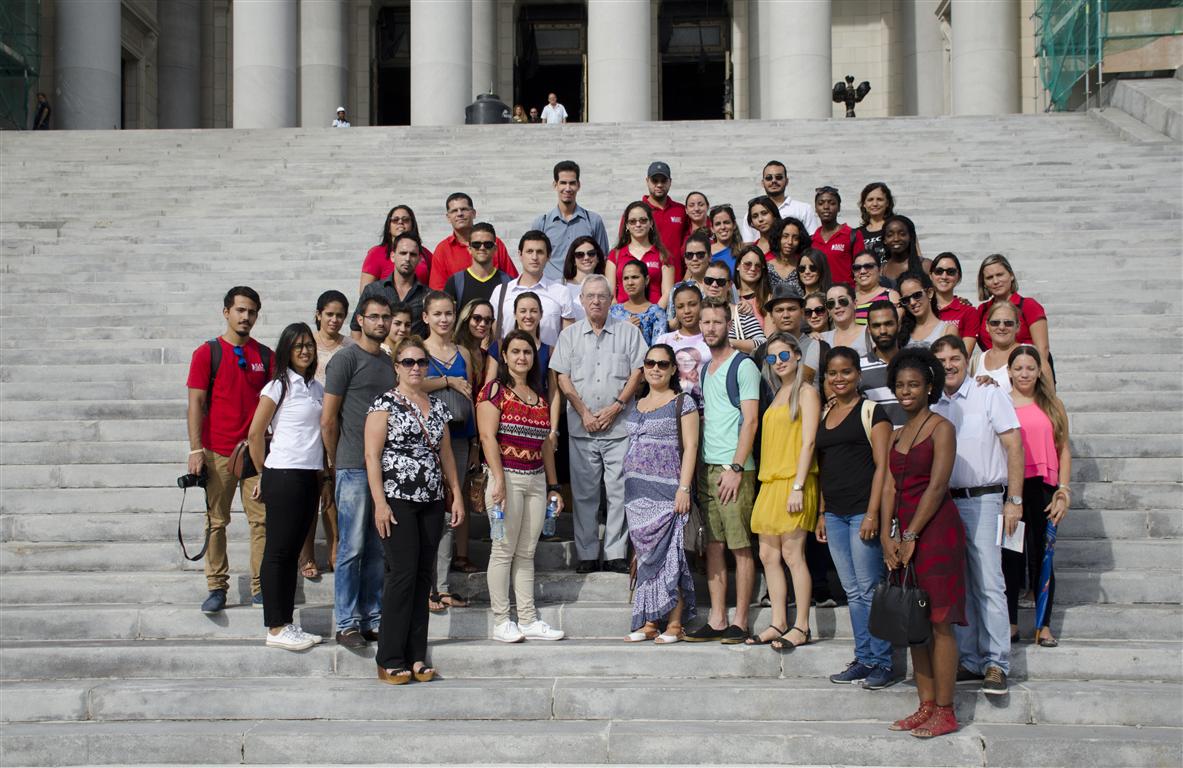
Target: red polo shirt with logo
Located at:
point(840, 251)
point(673, 227)
point(234, 396)
point(451, 256)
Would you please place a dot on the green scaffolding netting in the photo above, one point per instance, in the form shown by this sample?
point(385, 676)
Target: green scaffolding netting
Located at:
point(1073, 37)
point(20, 60)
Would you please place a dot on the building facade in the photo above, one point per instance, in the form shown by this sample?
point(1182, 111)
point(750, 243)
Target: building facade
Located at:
point(282, 63)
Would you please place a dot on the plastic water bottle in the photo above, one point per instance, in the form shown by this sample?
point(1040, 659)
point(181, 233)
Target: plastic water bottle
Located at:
point(497, 523)
point(548, 525)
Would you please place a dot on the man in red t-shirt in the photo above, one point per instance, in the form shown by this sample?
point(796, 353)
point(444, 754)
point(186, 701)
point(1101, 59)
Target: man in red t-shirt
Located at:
point(219, 417)
point(673, 225)
point(451, 254)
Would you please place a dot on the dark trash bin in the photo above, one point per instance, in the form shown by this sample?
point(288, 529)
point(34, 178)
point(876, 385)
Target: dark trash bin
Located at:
point(486, 110)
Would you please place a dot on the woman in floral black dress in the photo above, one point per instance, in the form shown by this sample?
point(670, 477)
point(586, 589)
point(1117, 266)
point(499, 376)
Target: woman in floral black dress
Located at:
point(408, 463)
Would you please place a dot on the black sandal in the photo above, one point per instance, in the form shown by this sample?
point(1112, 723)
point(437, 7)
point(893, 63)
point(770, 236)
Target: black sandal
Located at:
point(425, 673)
point(783, 643)
point(755, 639)
point(435, 599)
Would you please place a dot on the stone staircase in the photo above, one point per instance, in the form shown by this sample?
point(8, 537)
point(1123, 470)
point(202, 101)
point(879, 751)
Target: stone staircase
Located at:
point(117, 248)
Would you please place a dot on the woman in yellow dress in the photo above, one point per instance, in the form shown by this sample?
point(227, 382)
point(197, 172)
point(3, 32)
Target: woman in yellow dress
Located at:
point(787, 507)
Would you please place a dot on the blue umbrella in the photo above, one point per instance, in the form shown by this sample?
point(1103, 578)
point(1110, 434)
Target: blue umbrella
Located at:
point(1045, 575)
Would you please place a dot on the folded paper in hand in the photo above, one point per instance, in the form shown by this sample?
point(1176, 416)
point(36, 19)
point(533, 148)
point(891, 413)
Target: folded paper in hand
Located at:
point(1013, 542)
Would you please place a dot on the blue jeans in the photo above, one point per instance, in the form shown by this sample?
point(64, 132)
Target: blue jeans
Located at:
point(986, 641)
point(860, 567)
point(357, 586)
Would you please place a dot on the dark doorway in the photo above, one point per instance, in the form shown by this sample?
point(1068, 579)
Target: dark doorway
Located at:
point(392, 66)
point(551, 47)
point(693, 38)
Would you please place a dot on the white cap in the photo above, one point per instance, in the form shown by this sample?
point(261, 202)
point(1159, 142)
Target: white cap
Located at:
point(340, 109)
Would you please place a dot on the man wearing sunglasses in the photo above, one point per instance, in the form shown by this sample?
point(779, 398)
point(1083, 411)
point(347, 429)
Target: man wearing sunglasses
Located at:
point(454, 253)
point(775, 179)
point(480, 278)
point(222, 400)
point(354, 378)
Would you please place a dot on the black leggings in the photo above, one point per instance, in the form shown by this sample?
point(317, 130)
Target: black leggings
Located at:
point(1021, 569)
point(291, 497)
point(409, 552)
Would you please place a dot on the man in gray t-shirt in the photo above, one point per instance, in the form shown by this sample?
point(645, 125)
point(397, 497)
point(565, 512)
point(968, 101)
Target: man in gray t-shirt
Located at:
point(354, 378)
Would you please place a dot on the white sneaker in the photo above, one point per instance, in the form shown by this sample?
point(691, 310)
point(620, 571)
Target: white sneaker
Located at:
point(290, 638)
point(316, 639)
point(540, 630)
point(508, 632)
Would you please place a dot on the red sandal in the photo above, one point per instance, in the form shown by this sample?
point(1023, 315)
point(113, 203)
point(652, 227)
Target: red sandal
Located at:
point(942, 721)
point(916, 719)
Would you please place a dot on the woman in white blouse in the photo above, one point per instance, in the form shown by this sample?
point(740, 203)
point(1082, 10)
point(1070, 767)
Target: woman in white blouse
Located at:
point(290, 405)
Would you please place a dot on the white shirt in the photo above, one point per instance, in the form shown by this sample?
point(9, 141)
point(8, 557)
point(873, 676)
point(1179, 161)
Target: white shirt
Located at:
point(798, 209)
point(574, 290)
point(296, 442)
point(339, 123)
point(556, 306)
point(1001, 374)
point(980, 413)
point(554, 115)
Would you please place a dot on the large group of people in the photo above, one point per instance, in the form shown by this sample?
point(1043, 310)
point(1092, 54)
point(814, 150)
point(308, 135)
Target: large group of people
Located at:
point(707, 385)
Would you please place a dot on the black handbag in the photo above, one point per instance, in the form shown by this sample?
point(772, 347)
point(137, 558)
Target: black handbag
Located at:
point(899, 610)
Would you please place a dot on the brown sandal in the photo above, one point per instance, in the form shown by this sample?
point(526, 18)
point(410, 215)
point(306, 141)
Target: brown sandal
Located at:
point(453, 600)
point(309, 570)
point(464, 565)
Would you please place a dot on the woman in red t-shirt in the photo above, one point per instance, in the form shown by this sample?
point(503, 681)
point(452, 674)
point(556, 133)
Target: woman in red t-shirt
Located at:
point(996, 283)
point(377, 264)
point(838, 241)
point(640, 241)
point(946, 275)
point(698, 211)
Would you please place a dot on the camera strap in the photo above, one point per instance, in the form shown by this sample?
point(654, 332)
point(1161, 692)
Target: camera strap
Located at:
point(181, 539)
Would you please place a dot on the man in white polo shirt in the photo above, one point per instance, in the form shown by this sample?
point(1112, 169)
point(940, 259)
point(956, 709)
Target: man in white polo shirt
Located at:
point(987, 482)
point(557, 309)
point(775, 179)
point(553, 113)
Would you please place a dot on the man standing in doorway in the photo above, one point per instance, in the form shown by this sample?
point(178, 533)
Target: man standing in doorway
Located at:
point(568, 220)
point(553, 113)
point(776, 183)
point(451, 255)
point(225, 376)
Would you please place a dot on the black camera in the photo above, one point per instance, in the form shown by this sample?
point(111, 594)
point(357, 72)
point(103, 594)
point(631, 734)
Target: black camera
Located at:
point(191, 480)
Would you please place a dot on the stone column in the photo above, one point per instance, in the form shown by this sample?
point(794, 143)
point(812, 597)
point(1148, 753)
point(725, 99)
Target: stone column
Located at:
point(441, 61)
point(619, 61)
point(88, 69)
point(985, 60)
point(266, 55)
point(924, 59)
point(484, 48)
point(178, 57)
point(739, 60)
point(796, 77)
point(324, 62)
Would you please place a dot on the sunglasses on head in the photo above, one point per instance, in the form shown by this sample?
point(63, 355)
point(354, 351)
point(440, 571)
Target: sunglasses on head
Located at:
point(950, 271)
point(783, 356)
point(814, 311)
point(715, 281)
point(1001, 323)
point(486, 245)
point(722, 209)
point(841, 301)
point(661, 365)
point(413, 362)
point(911, 297)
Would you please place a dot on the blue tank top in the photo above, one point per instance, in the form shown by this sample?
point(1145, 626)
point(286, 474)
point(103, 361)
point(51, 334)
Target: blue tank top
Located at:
point(437, 369)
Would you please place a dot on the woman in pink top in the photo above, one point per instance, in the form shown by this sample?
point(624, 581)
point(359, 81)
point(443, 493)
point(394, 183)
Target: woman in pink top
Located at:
point(1044, 425)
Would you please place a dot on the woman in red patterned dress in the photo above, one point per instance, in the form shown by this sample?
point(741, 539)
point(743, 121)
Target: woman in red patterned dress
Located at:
point(932, 537)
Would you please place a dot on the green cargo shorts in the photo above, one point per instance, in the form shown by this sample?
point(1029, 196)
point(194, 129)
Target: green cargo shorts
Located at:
point(729, 523)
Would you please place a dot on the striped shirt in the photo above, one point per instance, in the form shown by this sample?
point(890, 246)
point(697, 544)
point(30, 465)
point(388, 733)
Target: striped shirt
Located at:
point(873, 386)
point(522, 429)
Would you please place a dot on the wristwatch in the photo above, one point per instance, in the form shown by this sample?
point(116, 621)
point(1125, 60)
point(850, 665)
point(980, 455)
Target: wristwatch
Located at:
point(909, 536)
point(554, 489)
point(737, 468)
point(798, 487)
point(684, 488)
point(1016, 500)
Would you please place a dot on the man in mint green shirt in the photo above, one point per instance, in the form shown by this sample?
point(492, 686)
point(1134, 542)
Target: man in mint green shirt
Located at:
point(727, 484)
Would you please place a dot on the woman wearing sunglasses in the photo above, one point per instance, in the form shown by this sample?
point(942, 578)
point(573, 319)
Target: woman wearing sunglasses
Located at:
point(875, 205)
point(658, 475)
point(902, 248)
point(817, 317)
point(409, 464)
point(997, 284)
point(726, 233)
point(845, 332)
point(786, 508)
point(648, 317)
point(1003, 322)
point(839, 242)
point(789, 240)
point(746, 333)
point(920, 325)
point(751, 280)
point(813, 271)
point(639, 241)
point(378, 265)
point(584, 258)
point(696, 255)
point(946, 275)
point(867, 289)
point(763, 214)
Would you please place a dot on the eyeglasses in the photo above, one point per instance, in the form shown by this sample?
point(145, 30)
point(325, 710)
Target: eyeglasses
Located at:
point(482, 319)
point(950, 271)
point(638, 222)
point(241, 357)
point(865, 266)
point(378, 318)
point(841, 301)
point(717, 282)
point(774, 177)
point(1001, 323)
point(413, 362)
point(661, 365)
point(586, 254)
point(482, 245)
point(304, 346)
point(784, 356)
point(814, 311)
point(911, 297)
point(807, 268)
point(695, 255)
